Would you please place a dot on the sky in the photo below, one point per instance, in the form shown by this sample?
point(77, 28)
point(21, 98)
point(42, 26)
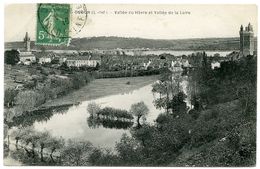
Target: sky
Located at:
point(199, 21)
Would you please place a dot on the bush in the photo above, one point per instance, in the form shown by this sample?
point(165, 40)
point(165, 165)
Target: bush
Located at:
point(9, 97)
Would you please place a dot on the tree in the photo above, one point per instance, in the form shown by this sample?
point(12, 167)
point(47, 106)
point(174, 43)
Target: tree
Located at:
point(167, 86)
point(178, 104)
point(139, 110)
point(143, 134)
point(17, 134)
point(44, 139)
point(76, 153)
point(128, 150)
point(11, 57)
point(93, 108)
point(64, 66)
point(54, 144)
point(103, 157)
point(28, 135)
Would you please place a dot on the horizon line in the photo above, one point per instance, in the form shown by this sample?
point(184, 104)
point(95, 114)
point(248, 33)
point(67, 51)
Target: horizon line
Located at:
point(142, 38)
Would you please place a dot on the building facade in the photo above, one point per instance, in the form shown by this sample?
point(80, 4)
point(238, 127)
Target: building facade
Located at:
point(82, 61)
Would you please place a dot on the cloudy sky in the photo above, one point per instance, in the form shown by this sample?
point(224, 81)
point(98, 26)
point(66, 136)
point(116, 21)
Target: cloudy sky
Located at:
point(203, 21)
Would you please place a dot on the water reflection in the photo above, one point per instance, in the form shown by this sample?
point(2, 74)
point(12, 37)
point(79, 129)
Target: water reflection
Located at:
point(96, 122)
point(40, 115)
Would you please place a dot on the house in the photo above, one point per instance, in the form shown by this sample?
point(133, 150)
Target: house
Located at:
point(80, 61)
point(146, 65)
point(27, 57)
point(46, 57)
point(215, 64)
point(185, 63)
point(176, 66)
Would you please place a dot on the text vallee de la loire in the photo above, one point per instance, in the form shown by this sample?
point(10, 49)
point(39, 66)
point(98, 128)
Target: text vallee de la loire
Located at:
point(152, 12)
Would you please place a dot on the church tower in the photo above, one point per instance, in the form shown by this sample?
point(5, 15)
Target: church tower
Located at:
point(27, 42)
point(246, 40)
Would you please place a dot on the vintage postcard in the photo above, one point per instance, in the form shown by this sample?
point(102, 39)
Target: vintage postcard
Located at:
point(130, 85)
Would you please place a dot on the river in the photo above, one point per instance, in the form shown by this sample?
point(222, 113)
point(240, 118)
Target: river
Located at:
point(73, 123)
point(177, 53)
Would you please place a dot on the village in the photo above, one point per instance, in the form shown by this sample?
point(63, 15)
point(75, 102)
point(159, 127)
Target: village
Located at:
point(110, 60)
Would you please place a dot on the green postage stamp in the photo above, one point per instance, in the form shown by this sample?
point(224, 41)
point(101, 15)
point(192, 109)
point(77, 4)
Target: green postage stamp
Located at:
point(53, 24)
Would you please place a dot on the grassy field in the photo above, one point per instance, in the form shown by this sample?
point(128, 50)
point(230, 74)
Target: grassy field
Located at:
point(103, 87)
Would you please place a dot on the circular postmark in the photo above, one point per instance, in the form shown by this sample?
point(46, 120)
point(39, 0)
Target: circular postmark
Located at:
point(78, 18)
point(62, 20)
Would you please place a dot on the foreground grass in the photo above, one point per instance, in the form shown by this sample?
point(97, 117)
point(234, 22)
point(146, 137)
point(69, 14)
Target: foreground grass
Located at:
point(102, 87)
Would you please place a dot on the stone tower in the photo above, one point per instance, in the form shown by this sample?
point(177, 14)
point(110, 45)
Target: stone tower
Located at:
point(246, 40)
point(27, 42)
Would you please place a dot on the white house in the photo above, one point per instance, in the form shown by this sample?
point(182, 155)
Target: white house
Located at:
point(27, 57)
point(79, 61)
point(176, 66)
point(215, 65)
point(45, 59)
point(185, 63)
point(147, 64)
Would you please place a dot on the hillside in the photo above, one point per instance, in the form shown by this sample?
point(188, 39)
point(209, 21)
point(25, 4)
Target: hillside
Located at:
point(131, 43)
point(220, 130)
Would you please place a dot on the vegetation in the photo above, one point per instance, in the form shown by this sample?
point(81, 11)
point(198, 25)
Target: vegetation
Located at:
point(75, 153)
point(221, 134)
point(112, 113)
point(30, 140)
point(12, 57)
point(9, 96)
point(171, 98)
point(93, 108)
point(123, 73)
point(108, 117)
point(43, 88)
point(108, 112)
point(219, 130)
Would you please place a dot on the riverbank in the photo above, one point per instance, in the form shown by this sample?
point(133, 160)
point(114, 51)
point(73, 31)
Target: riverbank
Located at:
point(102, 87)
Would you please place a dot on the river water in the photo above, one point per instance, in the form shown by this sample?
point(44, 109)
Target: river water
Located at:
point(178, 53)
point(73, 124)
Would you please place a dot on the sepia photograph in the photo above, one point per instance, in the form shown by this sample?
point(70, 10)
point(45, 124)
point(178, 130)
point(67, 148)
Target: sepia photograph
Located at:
point(137, 85)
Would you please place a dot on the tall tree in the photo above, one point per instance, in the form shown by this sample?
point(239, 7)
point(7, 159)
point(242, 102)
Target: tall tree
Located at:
point(139, 110)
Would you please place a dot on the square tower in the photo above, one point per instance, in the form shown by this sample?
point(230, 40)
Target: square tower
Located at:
point(246, 40)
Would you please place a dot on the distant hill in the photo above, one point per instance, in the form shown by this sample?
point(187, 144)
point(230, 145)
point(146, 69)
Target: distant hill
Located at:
point(131, 43)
